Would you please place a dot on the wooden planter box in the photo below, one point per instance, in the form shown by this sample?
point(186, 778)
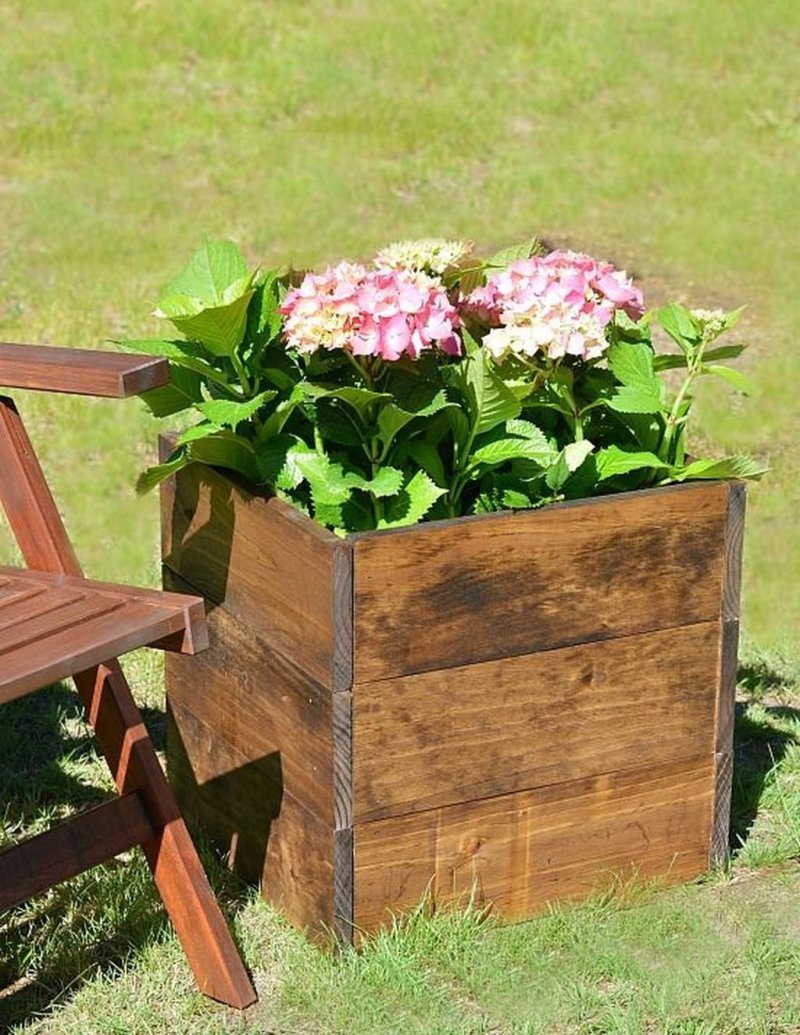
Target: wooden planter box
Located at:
point(514, 706)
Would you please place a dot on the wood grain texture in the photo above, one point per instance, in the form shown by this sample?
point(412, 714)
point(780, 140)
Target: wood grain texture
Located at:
point(71, 847)
point(254, 703)
point(272, 568)
point(523, 850)
point(80, 371)
point(458, 592)
point(721, 822)
point(61, 625)
point(734, 538)
point(459, 734)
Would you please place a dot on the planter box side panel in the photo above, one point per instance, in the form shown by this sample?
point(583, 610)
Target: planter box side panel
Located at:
point(521, 851)
point(461, 734)
point(477, 589)
point(250, 747)
point(268, 565)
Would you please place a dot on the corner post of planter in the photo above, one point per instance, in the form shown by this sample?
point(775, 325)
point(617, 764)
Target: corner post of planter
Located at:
point(726, 697)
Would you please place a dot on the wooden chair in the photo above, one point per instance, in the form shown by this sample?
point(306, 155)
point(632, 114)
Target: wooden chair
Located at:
point(55, 624)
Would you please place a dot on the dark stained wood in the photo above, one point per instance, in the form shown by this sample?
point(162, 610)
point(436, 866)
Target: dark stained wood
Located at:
point(259, 556)
point(80, 371)
point(254, 703)
point(521, 851)
point(720, 830)
point(734, 537)
point(73, 846)
point(537, 702)
point(459, 734)
point(453, 593)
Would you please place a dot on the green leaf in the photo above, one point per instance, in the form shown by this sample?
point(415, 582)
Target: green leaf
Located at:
point(219, 328)
point(614, 461)
point(153, 476)
point(196, 432)
point(228, 450)
point(724, 351)
point(505, 449)
point(276, 459)
point(632, 400)
point(182, 391)
point(413, 502)
point(361, 399)
point(214, 268)
point(429, 459)
point(387, 482)
point(632, 365)
point(733, 377)
point(730, 467)
point(680, 325)
point(506, 256)
point(227, 413)
point(568, 461)
point(489, 401)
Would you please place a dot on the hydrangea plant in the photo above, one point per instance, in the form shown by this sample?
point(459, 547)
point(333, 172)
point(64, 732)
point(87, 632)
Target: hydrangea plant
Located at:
point(429, 383)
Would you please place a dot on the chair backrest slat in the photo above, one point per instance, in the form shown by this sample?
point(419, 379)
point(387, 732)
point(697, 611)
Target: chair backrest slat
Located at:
point(28, 503)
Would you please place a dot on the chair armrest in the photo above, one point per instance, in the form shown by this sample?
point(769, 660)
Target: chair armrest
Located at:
point(114, 375)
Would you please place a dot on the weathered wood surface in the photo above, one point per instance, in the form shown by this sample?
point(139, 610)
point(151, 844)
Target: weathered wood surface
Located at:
point(80, 371)
point(459, 592)
point(458, 734)
point(520, 851)
point(71, 847)
point(271, 567)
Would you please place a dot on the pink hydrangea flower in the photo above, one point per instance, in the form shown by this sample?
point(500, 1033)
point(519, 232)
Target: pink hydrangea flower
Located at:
point(558, 304)
point(384, 313)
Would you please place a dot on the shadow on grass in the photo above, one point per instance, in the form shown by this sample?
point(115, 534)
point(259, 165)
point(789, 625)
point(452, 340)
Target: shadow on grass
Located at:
point(759, 743)
point(52, 944)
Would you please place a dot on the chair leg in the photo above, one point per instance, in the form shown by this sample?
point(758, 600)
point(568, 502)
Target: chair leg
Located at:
point(173, 859)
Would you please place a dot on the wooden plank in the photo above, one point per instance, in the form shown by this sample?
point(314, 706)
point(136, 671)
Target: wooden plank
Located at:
point(521, 851)
point(28, 503)
point(80, 371)
point(253, 703)
point(97, 637)
point(190, 607)
point(173, 860)
point(458, 734)
point(71, 847)
point(504, 584)
point(719, 849)
point(281, 574)
point(734, 538)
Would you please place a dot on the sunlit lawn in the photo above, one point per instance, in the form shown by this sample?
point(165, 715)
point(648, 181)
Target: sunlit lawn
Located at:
point(662, 136)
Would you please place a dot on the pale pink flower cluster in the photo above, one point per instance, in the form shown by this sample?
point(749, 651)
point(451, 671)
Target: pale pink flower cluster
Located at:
point(387, 313)
point(557, 305)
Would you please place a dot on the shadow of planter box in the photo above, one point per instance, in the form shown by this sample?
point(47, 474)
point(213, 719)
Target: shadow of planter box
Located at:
point(513, 706)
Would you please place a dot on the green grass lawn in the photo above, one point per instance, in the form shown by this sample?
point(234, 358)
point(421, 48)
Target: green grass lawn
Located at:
point(662, 136)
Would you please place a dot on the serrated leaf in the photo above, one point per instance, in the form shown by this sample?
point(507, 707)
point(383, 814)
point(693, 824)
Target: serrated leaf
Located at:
point(513, 253)
point(733, 377)
point(632, 365)
point(228, 413)
point(568, 461)
point(196, 432)
point(429, 459)
point(680, 325)
point(730, 467)
point(489, 401)
point(211, 271)
point(227, 450)
point(219, 328)
point(614, 461)
point(387, 482)
point(505, 449)
point(724, 352)
point(361, 399)
point(632, 400)
point(183, 390)
point(153, 476)
point(413, 502)
point(276, 459)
